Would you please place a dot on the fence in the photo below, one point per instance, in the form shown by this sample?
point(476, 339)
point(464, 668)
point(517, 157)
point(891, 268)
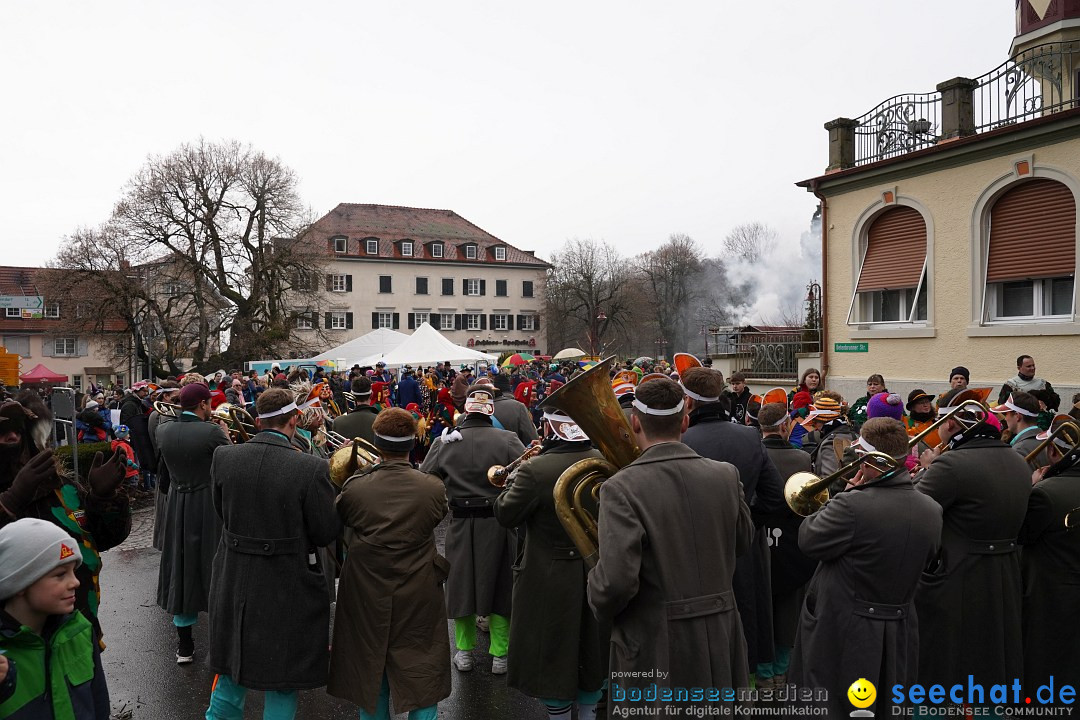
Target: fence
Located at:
point(767, 355)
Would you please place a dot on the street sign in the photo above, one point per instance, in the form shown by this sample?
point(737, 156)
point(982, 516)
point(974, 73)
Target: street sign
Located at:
point(9, 368)
point(27, 302)
point(851, 347)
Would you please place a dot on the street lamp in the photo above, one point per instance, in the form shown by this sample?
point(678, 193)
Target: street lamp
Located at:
point(661, 345)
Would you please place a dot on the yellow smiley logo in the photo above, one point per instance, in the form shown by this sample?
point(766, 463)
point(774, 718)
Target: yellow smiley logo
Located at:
point(862, 693)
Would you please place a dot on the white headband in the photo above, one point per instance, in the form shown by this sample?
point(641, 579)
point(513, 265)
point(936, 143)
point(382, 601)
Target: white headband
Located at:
point(1008, 405)
point(280, 411)
point(642, 407)
point(387, 438)
point(693, 395)
point(862, 445)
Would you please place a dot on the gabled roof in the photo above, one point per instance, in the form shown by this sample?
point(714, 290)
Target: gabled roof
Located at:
point(391, 224)
point(16, 280)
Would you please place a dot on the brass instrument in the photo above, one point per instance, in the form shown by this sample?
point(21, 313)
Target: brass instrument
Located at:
point(969, 405)
point(333, 440)
point(1067, 429)
point(498, 474)
point(354, 455)
point(805, 492)
point(167, 409)
point(239, 421)
point(591, 402)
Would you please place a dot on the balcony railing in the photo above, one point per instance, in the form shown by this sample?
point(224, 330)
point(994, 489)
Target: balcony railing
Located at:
point(1036, 82)
point(766, 355)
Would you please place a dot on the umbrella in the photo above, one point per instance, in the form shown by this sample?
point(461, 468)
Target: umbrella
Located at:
point(571, 352)
point(518, 359)
point(643, 359)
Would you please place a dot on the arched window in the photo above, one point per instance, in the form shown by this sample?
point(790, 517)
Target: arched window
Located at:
point(1031, 256)
point(892, 275)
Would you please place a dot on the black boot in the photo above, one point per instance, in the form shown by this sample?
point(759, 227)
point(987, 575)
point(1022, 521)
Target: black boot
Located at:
point(185, 646)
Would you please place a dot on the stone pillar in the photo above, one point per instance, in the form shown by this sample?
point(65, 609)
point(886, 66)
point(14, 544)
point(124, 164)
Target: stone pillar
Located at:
point(841, 144)
point(957, 107)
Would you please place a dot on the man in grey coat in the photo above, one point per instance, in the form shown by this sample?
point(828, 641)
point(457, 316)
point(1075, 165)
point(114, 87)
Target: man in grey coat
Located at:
point(670, 526)
point(1019, 414)
point(480, 550)
point(269, 614)
point(510, 413)
point(192, 528)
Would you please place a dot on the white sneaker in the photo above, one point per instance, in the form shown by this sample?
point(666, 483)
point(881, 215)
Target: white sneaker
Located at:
point(498, 665)
point(482, 623)
point(463, 660)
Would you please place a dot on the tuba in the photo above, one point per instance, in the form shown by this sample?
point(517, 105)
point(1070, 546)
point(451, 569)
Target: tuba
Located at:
point(351, 457)
point(591, 402)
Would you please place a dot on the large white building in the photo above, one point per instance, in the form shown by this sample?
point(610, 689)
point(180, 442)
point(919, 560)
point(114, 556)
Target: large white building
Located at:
point(398, 267)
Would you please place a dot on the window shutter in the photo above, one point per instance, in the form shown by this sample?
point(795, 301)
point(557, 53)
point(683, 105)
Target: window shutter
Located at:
point(397, 321)
point(47, 347)
point(500, 288)
point(1032, 233)
point(483, 321)
point(491, 321)
point(464, 287)
point(483, 287)
point(329, 283)
point(457, 321)
point(348, 321)
point(374, 321)
point(436, 321)
point(448, 286)
point(348, 283)
point(520, 322)
point(536, 322)
point(411, 319)
point(83, 347)
point(895, 251)
point(326, 320)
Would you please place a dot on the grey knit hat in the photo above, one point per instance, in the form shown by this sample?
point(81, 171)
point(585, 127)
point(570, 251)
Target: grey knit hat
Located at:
point(29, 550)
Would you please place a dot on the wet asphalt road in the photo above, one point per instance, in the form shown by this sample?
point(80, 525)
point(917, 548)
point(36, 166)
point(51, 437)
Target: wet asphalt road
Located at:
point(145, 681)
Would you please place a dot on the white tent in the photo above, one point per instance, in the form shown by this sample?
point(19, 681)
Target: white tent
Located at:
point(375, 344)
point(427, 346)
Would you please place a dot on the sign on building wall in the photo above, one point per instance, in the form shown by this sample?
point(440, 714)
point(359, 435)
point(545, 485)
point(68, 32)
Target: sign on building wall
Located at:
point(851, 347)
point(9, 368)
point(25, 302)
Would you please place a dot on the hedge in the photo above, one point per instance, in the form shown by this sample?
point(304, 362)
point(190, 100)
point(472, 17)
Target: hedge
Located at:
point(86, 454)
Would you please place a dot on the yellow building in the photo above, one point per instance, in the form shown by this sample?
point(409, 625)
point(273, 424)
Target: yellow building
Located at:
point(949, 227)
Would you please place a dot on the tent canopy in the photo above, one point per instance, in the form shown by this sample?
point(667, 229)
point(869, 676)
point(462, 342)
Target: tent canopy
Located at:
point(374, 344)
point(40, 373)
point(427, 346)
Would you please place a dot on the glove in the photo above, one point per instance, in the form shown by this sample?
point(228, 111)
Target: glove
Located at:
point(106, 476)
point(33, 481)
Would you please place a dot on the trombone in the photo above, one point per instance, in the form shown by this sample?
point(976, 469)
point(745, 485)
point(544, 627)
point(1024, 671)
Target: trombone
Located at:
point(1068, 430)
point(805, 492)
point(241, 424)
point(167, 409)
point(965, 405)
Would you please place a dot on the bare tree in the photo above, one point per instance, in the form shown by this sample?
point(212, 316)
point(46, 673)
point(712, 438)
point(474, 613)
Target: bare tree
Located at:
point(225, 215)
point(672, 282)
point(750, 241)
point(585, 298)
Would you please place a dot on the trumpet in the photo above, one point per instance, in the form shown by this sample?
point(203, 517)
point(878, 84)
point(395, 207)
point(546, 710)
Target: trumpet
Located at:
point(805, 492)
point(167, 409)
point(498, 474)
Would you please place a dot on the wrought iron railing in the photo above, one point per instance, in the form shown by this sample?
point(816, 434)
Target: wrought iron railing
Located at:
point(900, 125)
point(766, 355)
point(1036, 82)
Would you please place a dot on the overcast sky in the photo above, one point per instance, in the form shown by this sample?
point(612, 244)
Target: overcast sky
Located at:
point(623, 121)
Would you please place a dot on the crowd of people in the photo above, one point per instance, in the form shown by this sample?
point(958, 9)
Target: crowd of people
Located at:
point(941, 555)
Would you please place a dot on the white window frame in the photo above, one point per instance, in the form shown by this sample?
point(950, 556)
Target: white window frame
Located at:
point(472, 321)
point(446, 321)
point(470, 252)
point(13, 312)
point(371, 247)
point(862, 305)
point(406, 248)
point(502, 319)
point(1038, 304)
point(337, 283)
point(338, 320)
point(421, 317)
point(59, 351)
point(386, 319)
point(500, 252)
point(528, 322)
point(471, 285)
point(52, 310)
point(341, 245)
point(76, 383)
point(304, 321)
point(436, 250)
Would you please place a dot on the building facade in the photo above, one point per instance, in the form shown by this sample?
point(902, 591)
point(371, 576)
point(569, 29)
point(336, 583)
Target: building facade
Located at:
point(44, 336)
point(398, 267)
point(949, 230)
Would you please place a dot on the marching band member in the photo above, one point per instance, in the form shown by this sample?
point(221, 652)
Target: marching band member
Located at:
point(872, 541)
point(358, 421)
point(569, 664)
point(390, 623)
point(672, 611)
point(269, 616)
point(969, 599)
point(192, 527)
point(479, 549)
point(1050, 564)
point(711, 436)
point(1019, 413)
point(512, 414)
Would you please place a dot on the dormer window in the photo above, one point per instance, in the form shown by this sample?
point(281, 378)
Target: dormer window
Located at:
point(341, 244)
point(406, 248)
point(470, 252)
point(436, 250)
point(500, 252)
point(371, 245)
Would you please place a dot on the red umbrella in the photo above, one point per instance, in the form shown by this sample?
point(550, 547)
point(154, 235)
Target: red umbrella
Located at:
point(42, 374)
point(518, 359)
